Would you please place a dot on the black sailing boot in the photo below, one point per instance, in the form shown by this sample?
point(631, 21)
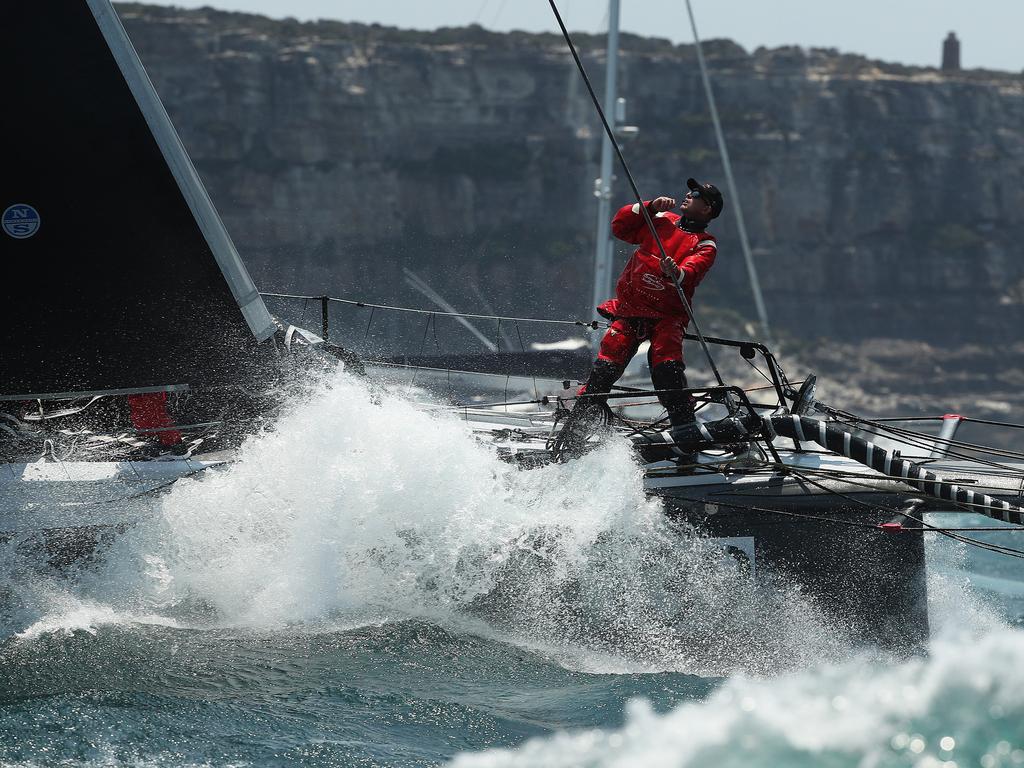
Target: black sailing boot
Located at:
point(671, 375)
point(589, 413)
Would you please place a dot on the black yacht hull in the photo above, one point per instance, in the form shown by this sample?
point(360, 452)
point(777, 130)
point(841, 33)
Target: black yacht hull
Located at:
point(869, 579)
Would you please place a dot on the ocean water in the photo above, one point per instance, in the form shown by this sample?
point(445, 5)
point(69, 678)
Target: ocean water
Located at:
point(368, 585)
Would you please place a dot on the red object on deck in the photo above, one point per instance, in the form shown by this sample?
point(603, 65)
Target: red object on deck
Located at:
point(149, 415)
point(891, 527)
point(952, 416)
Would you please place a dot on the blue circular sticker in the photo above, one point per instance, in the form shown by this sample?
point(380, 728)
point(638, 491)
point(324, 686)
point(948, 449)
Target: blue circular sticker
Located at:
point(20, 221)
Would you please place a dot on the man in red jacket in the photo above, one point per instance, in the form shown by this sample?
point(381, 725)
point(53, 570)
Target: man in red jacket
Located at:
point(646, 306)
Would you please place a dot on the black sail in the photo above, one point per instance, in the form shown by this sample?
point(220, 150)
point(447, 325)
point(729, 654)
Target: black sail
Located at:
point(118, 273)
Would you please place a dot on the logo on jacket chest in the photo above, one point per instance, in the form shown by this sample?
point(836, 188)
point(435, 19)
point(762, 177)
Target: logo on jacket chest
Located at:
point(653, 282)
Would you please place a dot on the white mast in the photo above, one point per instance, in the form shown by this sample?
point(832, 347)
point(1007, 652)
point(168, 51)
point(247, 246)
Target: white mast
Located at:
point(603, 185)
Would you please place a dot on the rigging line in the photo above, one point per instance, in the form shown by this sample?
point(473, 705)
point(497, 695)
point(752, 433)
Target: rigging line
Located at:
point(465, 406)
point(423, 342)
point(480, 13)
point(951, 470)
point(967, 506)
point(408, 366)
point(437, 344)
point(741, 229)
point(138, 476)
point(964, 506)
point(441, 353)
point(156, 488)
point(974, 447)
point(962, 418)
point(924, 442)
point(931, 439)
point(366, 333)
point(855, 478)
point(995, 548)
point(636, 192)
point(641, 428)
point(522, 346)
point(497, 15)
point(801, 515)
point(763, 375)
point(955, 470)
point(993, 528)
point(834, 492)
point(593, 324)
point(859, 480)
point(909, 418)
point(916, 441)
point(966, 540)
point(703, 403)
point(993, 423)
point(946, 441)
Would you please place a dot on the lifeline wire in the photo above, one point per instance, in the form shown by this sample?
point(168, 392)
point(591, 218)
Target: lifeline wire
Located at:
point(632, 183)
point(594, 324)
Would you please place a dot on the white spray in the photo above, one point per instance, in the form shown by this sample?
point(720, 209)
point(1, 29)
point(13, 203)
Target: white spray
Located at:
point(358, 506)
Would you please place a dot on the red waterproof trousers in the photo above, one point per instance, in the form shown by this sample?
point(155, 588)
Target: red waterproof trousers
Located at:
point(625, 334)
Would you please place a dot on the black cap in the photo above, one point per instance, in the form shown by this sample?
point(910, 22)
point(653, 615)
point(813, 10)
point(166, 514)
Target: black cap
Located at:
point(710, 194)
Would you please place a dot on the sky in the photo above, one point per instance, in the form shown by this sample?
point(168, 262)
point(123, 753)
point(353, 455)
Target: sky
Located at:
point(904, 31)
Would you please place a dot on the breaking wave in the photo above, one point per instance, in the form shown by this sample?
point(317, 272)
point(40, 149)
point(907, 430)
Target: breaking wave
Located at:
point(360, 506)
point(962, 706)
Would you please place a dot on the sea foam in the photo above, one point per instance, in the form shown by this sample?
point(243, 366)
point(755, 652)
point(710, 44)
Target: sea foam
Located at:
point(360, 505)
point(961, 706)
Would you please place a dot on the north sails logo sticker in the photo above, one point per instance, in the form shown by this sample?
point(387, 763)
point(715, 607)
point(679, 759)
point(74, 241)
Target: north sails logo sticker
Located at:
point(20, 221)
point(652, 281)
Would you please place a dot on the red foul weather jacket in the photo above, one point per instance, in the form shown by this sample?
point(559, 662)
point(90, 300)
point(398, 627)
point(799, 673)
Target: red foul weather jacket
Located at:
point(643, 290)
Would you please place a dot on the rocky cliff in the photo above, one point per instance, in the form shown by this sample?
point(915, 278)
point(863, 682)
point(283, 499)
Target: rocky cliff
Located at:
point(881, 200)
